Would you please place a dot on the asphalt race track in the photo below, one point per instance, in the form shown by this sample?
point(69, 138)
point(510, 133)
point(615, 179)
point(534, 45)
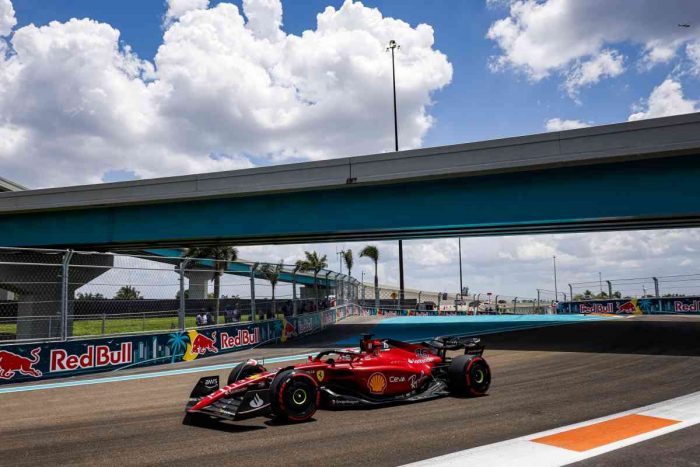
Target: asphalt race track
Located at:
point(542, 379)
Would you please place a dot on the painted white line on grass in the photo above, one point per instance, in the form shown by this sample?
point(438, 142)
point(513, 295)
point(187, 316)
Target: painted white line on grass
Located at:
point(154, 374)
point(677, 414)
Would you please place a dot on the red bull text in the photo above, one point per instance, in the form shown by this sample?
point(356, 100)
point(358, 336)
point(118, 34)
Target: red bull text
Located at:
point(686, 307)
point(241, 339)
point(96, 356)
point(597, 308)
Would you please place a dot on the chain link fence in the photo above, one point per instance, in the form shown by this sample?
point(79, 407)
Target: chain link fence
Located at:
point(63, 294)
point(681, 285)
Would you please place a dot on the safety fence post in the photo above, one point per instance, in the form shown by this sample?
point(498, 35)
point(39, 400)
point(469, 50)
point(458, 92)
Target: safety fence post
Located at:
point(65, 288)
point(294, 292)
point(181, 318)
point(253, 267)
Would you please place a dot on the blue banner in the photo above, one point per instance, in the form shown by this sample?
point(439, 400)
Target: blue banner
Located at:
point(30, 362)
point(668, 305)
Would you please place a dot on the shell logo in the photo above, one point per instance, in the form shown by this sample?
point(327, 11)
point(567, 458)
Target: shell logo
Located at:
point(376, 383)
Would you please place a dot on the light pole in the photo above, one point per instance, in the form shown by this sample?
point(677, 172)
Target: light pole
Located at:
point(340, 254)
point(391, 47)
point(461, 287)
point(556, 293)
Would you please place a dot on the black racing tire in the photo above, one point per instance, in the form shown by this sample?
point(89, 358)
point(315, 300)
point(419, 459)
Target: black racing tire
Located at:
point(242, 371)
point(294, 396)
point(469, 375)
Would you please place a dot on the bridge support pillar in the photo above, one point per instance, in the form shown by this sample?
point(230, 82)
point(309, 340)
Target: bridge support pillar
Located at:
point(199, 284)
point(39, 287)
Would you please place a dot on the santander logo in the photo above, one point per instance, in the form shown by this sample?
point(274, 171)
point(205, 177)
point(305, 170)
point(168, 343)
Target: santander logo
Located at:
point(96, 356)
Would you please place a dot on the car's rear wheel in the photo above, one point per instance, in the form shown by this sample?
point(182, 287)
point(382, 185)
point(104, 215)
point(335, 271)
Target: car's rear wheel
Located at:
point(242, 371)
point(294, 396)
point(469, 375)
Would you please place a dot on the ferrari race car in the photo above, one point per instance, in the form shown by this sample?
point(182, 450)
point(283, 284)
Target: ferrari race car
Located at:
point(382, 372)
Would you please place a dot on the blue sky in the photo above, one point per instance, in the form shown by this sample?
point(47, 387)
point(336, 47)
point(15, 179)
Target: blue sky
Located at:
point(213, 89)
point(478, 104)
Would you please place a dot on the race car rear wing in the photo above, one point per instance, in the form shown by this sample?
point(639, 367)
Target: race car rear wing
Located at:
point(471, 345)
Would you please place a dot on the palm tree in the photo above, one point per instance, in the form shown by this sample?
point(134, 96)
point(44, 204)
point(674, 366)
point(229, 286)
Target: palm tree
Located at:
point(349, 262)
point(222, 256)
point(272, 273)
point(371, 252)
point(313, 262)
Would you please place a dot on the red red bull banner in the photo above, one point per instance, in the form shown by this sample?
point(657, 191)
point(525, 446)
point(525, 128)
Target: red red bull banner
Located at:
point(647, 305)
point(29, 362)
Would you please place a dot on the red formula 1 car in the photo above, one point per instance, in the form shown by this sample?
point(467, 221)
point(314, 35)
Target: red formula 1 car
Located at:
point(384, 371)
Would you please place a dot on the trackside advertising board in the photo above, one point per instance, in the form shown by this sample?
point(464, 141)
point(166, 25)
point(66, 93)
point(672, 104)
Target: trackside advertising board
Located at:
point(392, 312)
point(639, 306)
point(30, 362)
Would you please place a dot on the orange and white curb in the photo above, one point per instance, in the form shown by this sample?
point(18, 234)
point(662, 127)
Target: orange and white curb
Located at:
point(580, 441)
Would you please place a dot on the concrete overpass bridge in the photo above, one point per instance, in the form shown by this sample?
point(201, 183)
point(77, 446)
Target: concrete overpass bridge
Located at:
point(635, 175)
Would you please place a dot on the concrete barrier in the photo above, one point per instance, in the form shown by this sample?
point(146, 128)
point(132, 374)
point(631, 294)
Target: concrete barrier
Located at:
point(37, 361)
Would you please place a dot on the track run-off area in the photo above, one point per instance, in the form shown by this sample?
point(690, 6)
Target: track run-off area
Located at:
point(550, 382)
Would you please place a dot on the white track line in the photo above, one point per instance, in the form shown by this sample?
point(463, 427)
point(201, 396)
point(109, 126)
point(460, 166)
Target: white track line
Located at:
point(524, 451)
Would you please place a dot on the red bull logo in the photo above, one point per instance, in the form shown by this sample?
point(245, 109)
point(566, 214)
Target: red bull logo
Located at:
point(289, 329)
point(202, 344)
point(628, 307)
point(96, 356)
point(597, 308)
point(241, 339)
point(11, 363)
point(305, 325)
point(686, 307)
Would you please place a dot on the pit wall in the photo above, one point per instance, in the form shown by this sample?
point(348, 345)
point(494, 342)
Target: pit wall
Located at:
point(635, 306)
point(38, 361)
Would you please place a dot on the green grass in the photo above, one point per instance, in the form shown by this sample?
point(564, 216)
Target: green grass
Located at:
point(93, 327)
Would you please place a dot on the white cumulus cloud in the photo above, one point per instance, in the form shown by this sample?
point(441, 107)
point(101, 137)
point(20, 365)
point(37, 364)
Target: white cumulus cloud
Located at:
point(557, 124)
point(576, 39)
point(177, 8)
point(666, 99)
point(7, 17)
point(225, 88)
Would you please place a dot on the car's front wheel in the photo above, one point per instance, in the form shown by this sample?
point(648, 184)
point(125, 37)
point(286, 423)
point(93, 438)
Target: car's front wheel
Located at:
point(469, 375)
point(294, 396)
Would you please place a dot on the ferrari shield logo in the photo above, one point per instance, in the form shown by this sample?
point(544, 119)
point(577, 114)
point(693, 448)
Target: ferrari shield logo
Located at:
point(320, 374)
